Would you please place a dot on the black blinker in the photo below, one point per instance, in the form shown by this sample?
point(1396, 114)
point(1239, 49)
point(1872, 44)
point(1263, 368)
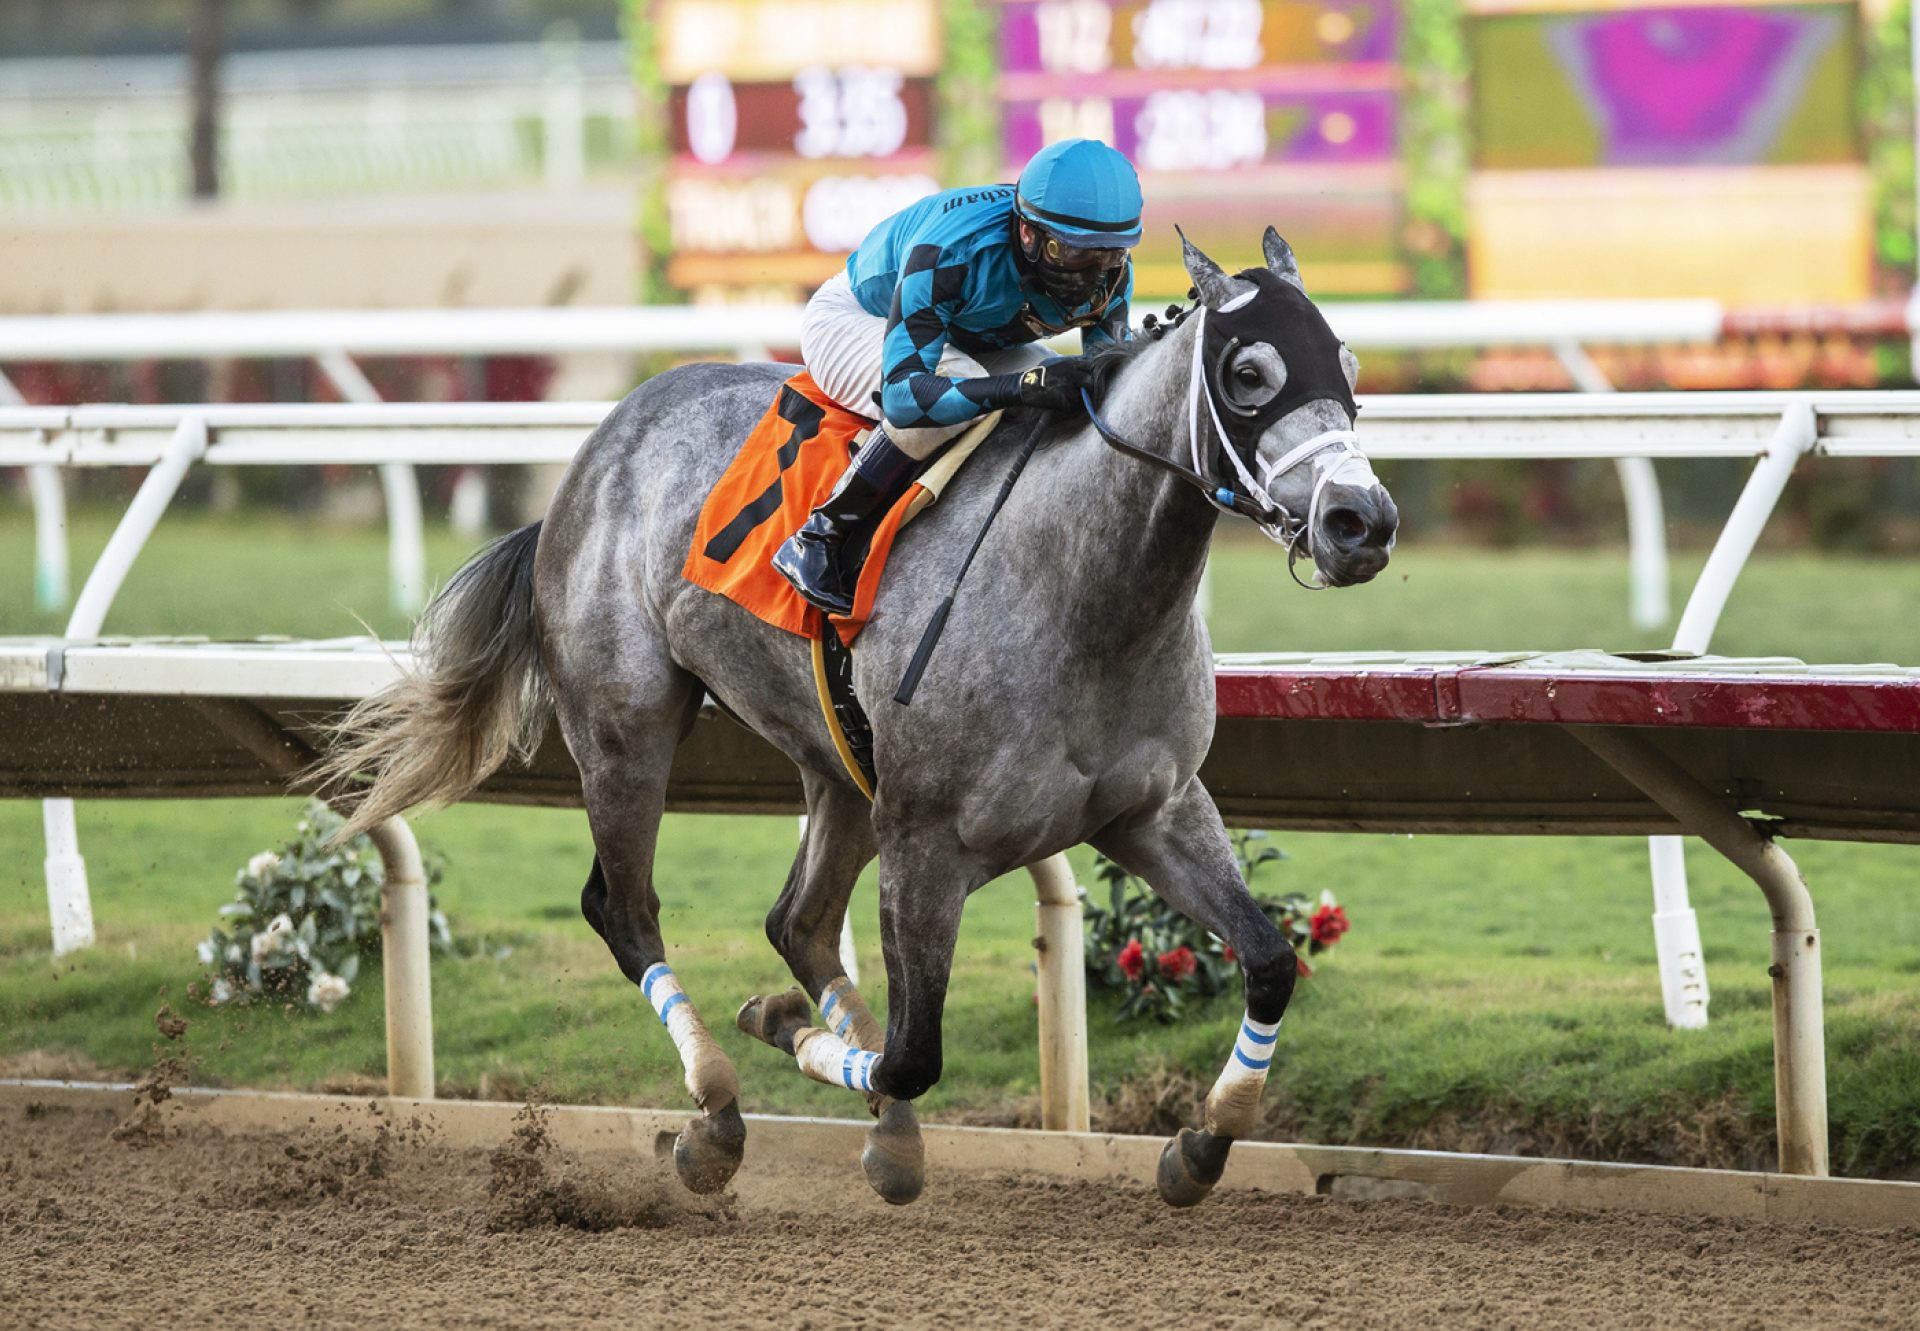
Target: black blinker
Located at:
point(1220, 364)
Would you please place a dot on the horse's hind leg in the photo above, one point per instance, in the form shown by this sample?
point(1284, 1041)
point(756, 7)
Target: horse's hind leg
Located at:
point(1185, 855)
point(804, 924)
point(804, 928)
point(624, 759)
point(924, 881)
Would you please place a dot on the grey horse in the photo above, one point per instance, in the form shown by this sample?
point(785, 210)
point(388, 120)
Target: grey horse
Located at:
point(1070, 701)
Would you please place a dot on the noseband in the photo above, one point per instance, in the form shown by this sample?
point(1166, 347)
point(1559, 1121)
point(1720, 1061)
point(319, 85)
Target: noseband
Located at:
point(1241, 492)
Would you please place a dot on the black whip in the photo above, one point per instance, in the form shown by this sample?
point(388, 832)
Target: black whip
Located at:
point(910, 681)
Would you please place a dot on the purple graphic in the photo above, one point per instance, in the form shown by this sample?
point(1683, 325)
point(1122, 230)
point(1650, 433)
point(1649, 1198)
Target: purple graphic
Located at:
point(1190, 130)
point(1693, 85)
point(1362, 31)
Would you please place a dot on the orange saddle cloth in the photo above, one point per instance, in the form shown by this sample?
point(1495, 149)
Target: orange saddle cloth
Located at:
point(787, 466)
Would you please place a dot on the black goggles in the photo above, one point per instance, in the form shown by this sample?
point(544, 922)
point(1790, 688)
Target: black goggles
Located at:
point(1057, 253)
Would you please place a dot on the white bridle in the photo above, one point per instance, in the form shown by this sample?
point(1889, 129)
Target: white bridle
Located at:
point(1335, 455)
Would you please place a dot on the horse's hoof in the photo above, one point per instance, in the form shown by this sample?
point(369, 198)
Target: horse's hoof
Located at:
point(708, 1150)
point(1190, 1165)
point(895, 1159)
point(775, 1020)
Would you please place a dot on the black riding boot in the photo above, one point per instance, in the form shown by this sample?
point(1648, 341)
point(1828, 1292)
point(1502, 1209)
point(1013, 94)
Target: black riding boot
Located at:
point(822, 560)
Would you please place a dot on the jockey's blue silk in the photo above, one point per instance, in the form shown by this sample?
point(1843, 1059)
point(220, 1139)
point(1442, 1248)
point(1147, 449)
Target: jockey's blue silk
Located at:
point(944, 270)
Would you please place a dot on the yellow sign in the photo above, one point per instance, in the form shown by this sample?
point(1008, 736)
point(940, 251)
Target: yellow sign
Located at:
point(749, 40)
point(1770, 235)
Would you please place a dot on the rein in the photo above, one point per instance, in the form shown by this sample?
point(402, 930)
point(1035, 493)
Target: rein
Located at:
point(1248, 498)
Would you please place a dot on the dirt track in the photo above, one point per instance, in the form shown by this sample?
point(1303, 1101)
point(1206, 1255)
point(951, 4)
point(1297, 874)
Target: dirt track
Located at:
point(191, 1228)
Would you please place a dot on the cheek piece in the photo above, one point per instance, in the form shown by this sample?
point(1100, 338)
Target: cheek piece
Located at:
point(1312, 355)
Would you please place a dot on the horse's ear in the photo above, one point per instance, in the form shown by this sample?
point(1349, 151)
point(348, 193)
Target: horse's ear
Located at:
point(1215, 287)
point(1280, 258)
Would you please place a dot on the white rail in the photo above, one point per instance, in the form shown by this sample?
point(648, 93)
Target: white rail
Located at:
point(734, 329)
point(334, 337)
point(92, 134)
point(1429, 427)
point(1776, 428)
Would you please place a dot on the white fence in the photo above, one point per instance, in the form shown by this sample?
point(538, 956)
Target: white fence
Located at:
point(112, 135)
point(334, 338)
point(1776, 429)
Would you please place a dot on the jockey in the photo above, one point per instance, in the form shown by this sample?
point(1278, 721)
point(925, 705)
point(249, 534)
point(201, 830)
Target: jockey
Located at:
point(934, 321)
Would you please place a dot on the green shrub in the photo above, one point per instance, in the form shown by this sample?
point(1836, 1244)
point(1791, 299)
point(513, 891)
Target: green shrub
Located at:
point(304, 916)
point(1139, 946)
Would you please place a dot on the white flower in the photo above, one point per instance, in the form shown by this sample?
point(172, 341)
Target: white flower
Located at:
point(268, 941)
point(222, 992)
point(234, 953)
point(263, 864)
point(206, 952)
point(326, 992)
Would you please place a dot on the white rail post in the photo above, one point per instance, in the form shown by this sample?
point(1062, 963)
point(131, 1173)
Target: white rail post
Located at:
point(1062, 987)
point(50, 570)
point(68, 898)
point(1676, 927)
point(406, 543)
point(49, 520)
point(69, 903)
point(1647, 604)
point(1646, 518)
point(406, 925)
point(404, 960)
point(1799, 1024)
point(563, 119)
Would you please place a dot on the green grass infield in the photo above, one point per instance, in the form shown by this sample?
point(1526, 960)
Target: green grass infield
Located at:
point(1494, 994)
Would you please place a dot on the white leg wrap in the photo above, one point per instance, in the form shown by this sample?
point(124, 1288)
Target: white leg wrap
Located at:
point(675, 1008)
point(827, 1058)
point(1235, 1098)
point(710, 1076)
point(846, 1015)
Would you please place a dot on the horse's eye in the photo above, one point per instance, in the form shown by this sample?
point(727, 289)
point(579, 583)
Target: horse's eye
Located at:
point(1248, 376)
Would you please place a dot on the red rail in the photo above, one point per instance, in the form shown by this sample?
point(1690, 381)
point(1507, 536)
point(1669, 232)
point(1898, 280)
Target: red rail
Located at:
point(1539, 691)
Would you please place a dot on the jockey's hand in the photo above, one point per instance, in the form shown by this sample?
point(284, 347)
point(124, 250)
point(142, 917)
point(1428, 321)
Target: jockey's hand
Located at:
point(1055, 385)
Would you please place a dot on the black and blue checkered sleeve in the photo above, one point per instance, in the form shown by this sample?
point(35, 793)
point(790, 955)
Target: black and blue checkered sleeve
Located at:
point(931, 291)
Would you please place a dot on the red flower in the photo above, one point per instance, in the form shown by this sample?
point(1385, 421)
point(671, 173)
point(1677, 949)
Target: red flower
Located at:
point(1178, 964)
point(1132, 959)
point(1300, 963)
point(1228, 954)
point(1327, 924)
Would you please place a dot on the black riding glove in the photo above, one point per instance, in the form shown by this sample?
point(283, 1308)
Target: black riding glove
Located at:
point(1055, 385)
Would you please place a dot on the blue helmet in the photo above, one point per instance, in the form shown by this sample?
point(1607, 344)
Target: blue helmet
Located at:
point(1083, 193)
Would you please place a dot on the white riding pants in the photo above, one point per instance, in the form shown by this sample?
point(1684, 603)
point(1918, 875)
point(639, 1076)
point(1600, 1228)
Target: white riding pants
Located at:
point(843, 348)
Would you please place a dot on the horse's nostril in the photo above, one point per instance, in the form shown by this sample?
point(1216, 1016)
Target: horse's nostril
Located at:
point(1344, 526)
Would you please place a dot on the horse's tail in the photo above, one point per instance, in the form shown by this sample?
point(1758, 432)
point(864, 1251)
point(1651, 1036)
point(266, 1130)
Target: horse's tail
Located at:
point(476, 695)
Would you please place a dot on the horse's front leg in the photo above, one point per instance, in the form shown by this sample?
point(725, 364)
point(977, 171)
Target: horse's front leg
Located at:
point(1184, 854)
point(922, 893)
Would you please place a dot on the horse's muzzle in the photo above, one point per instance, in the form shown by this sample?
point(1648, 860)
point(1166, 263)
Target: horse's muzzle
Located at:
point(1356, 534)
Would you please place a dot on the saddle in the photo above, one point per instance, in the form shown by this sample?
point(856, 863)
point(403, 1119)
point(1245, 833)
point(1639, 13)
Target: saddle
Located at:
point(788, 465)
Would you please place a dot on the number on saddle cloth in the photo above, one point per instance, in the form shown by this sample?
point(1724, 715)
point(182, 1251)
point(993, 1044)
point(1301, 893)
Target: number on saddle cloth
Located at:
point(788, 463)
point(805, 416)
